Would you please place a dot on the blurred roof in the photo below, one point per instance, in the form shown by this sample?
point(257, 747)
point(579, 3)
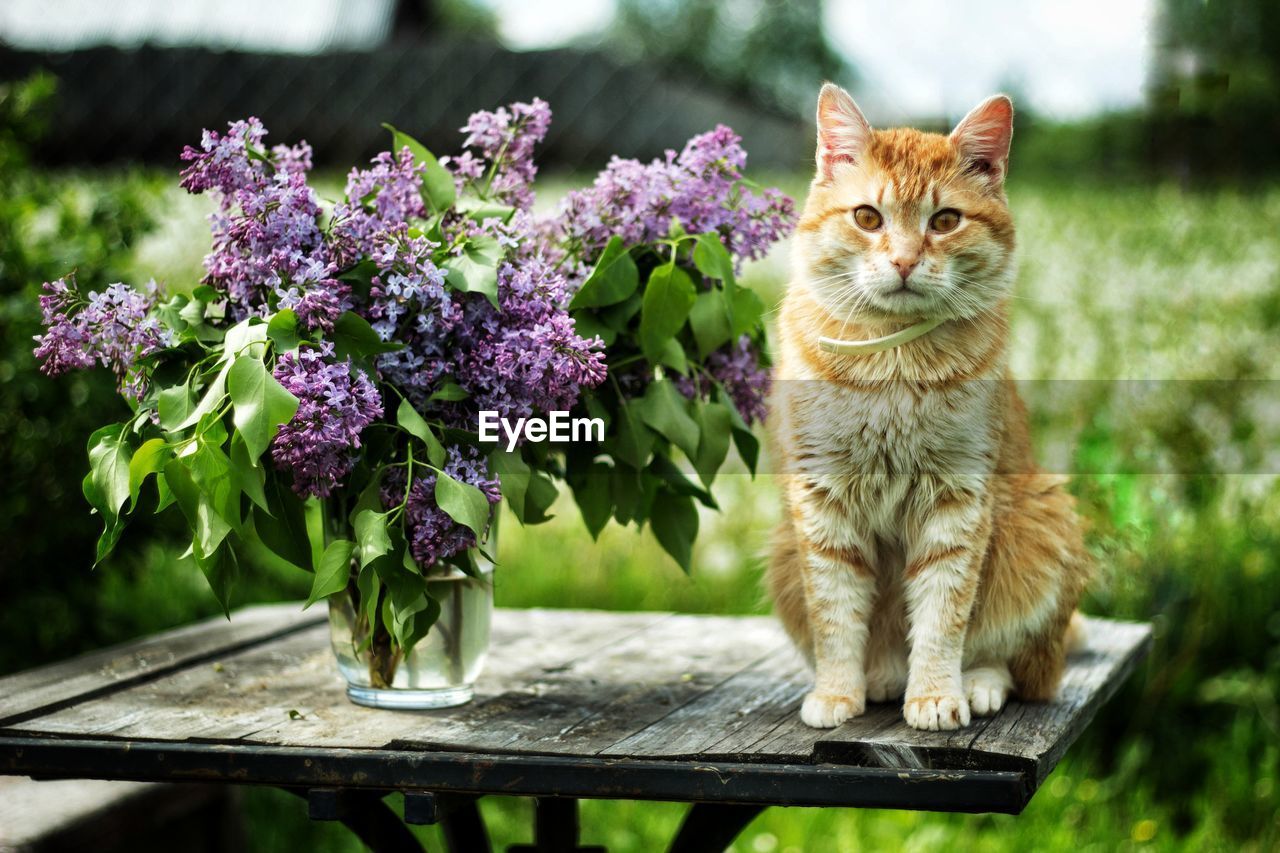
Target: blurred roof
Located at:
point(278, 26)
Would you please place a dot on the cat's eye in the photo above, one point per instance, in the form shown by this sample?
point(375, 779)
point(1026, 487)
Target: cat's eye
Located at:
point(868, 218)
point(945, 220)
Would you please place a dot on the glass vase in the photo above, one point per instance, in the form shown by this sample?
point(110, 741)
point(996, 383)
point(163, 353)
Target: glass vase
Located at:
point(439, 671)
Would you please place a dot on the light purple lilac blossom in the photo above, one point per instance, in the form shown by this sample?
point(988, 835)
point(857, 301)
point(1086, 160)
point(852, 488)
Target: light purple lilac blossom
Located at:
point(701, 188)
point(432, 534)
point(336, 401)
point(112, 328)
point(268, 249)
point(499, 155)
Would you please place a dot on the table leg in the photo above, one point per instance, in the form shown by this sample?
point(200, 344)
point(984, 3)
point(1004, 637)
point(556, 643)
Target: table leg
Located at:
point(464, 829)
point(555, 828)
point(711, 827)
point(365, 814)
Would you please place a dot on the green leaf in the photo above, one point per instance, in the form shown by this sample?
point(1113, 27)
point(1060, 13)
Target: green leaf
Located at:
point(479, 209)
point(282, 328)
point(174, 406)
point(283, 530)
point(476, 269)
point(713, 260)
point(416, 621)
point(250, 477)
point(372, 537)
point(592, 494)
point(438, 188)
point(209, 529)
point(369, 585)
point(588, 326)
point(711, 322)
point(674, 519)
point(333, 572)
point(409, 419)
point(613, 279)
point(464, 503)
point(215, 392)
point(668, 298)
point(666, 410)
point(743, 438)
point(716, 427)
point(148, 459)
point(214, 475)
point(354, 337)
point(450, 392)
point(539, 497)
point(109, 459)
point(513, 478)
point(260, 404)
point(747, 311)
point(112, 525)
point(221, 569)
point(668, 475)
point(632, 442)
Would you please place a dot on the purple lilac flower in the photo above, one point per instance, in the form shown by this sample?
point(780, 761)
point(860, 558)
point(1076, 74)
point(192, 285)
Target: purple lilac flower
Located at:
point(527, 356)
point(336, 401)
point(268, 250)
point(701, 188)
point(379, 199)
point(433, 534)
point(737, 367)
point(112, 328)
point(501, 146)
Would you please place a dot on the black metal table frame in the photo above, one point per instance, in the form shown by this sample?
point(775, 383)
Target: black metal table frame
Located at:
point(348, 785)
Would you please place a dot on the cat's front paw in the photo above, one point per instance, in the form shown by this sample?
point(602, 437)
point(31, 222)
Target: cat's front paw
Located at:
point(828, 710)
point(936, 713)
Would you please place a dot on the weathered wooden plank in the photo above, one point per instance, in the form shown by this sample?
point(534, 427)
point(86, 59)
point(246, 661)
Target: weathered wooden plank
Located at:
point(96, 673)
point(251, 694)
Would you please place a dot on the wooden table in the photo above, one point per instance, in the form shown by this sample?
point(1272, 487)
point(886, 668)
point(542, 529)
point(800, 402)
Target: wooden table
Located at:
point(572, 704)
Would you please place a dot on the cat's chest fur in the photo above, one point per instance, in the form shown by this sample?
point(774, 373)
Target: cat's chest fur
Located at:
point(885, 448)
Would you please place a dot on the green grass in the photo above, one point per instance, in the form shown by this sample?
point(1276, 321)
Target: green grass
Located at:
point(1116, 283)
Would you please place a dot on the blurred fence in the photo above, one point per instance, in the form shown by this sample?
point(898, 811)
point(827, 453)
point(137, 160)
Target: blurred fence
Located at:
point(145, 104)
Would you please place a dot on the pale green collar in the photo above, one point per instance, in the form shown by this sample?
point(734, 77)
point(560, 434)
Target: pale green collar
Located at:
point(910, 333)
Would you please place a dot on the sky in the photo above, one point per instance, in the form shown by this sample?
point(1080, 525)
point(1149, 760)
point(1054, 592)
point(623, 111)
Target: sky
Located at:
point(929, 58)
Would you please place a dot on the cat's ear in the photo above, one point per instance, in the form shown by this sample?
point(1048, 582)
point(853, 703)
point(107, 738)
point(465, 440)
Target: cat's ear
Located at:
point(983, 137)
point(843, 132)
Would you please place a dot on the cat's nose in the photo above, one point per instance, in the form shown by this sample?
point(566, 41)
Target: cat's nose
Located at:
point(904, 266)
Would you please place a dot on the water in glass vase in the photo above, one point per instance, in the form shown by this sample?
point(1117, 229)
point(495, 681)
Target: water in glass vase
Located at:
point(440, 670)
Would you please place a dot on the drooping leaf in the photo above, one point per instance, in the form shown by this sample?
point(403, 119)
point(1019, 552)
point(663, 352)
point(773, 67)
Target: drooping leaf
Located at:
point(260, 404)
point(513, 477)
point(588, 326)
point(743, 438)
point(668, 298)
point(415, 622)
point(222, 570)
point(613, 279)
point(476, 269)
point(409, 419)
point(112, 525)
point(372, 537)
point(148, 459)
point(539, 497)
point(449, 391)
point(214, 394)
point(109, 455)
point(463, 502)
point(632, 442)
point(250, 478)
point(668, 475)
point(283, 530)
point(666, 410)
point(711, 322)
point(674, 520)
point(209, 529)
point(713, 260)
point(716, 428)
point(747, 311)
point(333, 572)
point(591, 491)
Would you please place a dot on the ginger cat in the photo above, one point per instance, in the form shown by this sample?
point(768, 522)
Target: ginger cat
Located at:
point(922, 554)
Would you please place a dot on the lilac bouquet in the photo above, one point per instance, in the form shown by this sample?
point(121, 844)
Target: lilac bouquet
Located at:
point(319, 392)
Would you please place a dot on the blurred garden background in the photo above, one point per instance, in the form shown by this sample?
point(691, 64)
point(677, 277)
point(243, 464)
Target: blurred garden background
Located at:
point(1144, 185)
